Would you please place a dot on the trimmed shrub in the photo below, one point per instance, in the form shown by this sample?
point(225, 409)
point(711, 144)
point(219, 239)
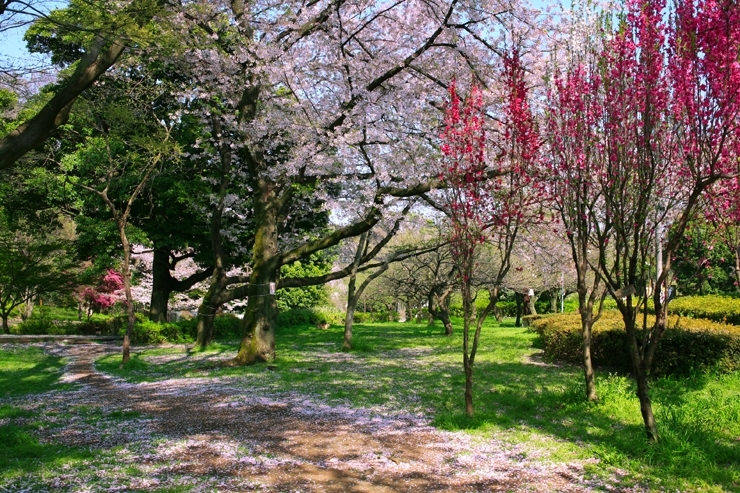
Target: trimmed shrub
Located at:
point(362, 317)
point(310, 316)
point(724, 309)
point(148, 333)
point(226, 326)
point(694, 345)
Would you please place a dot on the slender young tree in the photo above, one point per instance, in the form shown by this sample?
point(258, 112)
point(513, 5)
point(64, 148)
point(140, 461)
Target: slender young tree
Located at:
point(128, 144)
point(481, 210)
point(671, 108)
point(573, 162)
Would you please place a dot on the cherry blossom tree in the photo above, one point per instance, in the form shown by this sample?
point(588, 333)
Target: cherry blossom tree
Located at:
point(327, 95)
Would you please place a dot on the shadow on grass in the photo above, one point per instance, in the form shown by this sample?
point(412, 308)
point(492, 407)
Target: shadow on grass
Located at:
point(23, 454)
point(698, 421)
point(694, 446)
point(34, 371)
point(699, 426)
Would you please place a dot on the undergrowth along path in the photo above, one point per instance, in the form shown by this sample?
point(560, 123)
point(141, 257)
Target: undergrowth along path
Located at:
point(205, 434)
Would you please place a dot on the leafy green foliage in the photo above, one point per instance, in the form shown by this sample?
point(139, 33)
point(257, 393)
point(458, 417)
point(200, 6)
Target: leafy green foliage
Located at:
point(723, 309)
point(30, 266)
point(703, 265)
point(305, 297)
point(688, 346)
point(147, 332)
point(310, 316)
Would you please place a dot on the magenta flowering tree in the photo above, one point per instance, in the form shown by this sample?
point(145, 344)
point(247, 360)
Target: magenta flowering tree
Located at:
point(669, 94)
point(467, 200)
point(574, 165)
point(723, 211)
point(103, 296)
point(487, 200)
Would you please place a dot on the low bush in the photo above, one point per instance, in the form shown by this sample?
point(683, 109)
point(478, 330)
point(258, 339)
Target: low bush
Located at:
point(362, 317)
point(690, 345)
point(227, 326)
point(724, 309)
point(310, 316)
point(147, 332)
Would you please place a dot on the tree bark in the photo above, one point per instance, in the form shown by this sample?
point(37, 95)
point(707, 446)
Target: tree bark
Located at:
point(518, 299)
point(126, 273)
point(588, 369)
point(442, 313)
point(737, 268)
point(206, 315)
point(641, 378)
point(352, 304)
point(468, 361)
point(161, 288)
point(6, 327)
point(163, 284)
point(352, 296)
point(258, 344)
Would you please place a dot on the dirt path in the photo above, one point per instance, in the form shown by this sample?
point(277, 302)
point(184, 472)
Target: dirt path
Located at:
point(201, 429)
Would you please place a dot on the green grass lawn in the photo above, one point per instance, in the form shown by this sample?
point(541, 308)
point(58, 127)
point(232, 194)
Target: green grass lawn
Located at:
point(518, 400)
point(26, 371)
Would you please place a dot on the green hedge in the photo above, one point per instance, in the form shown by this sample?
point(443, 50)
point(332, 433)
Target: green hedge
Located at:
point(724, 309)
point(148, 333)
point(46, 326)
point(310, 316)
point(696, 345)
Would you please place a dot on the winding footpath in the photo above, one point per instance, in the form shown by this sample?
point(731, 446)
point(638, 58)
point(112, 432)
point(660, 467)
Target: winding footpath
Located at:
point(211, 435)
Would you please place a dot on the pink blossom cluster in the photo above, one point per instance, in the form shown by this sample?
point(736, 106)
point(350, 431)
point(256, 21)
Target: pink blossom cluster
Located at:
point(106, 294)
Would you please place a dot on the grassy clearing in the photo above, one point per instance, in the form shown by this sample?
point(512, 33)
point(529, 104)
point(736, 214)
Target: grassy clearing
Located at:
point(414, 368)
point(26, 370)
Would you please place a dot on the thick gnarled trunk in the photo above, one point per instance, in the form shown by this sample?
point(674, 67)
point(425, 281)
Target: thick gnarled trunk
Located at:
point(442, 312)
point(161, 287)
point(260, 321)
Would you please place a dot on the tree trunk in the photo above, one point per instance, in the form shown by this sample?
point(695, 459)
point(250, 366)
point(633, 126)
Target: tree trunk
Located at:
point(737, 268)
point(586, 299)
point(442, 313)
point(643, 393)
point(348, 322)
point(352, 295)
point(258, 344)
point(206, 315)
point(6, 327)
point(518, 298)
point(161, 287)
point(468, 308)
point(126, 272)
point(588, 369)
point(640, 371)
